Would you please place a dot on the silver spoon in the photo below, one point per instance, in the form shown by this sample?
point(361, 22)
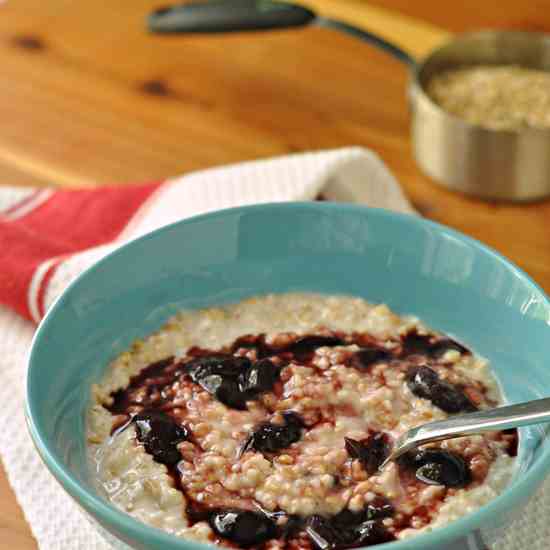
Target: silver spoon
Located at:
point(491, 420)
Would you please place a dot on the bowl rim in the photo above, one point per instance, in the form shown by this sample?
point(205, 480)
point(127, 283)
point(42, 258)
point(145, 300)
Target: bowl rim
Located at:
point(108, 514)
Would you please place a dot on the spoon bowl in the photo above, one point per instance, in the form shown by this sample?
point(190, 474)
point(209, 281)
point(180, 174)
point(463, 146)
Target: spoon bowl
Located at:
point(490, 420)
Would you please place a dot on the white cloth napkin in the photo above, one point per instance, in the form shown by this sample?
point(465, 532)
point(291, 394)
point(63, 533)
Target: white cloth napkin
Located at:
point(350, 175)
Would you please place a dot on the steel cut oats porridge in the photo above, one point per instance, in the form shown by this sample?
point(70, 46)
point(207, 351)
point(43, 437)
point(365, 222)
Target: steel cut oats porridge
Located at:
point(264, 424)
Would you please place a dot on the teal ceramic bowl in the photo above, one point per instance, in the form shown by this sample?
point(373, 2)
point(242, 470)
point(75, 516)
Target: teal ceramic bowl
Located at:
point(454, 283)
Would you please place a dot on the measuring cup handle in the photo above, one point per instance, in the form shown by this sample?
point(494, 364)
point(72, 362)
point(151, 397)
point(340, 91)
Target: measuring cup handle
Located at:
point(246, 15)
point(369, 37)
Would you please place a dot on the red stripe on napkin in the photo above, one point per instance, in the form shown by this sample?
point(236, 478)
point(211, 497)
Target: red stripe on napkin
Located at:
point(22, 203)
point(66, 222)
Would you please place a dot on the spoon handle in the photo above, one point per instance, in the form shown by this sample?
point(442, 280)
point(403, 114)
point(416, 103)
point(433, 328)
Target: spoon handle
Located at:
point(501, 418)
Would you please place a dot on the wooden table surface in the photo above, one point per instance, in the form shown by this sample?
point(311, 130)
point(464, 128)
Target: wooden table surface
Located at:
point(88, 97)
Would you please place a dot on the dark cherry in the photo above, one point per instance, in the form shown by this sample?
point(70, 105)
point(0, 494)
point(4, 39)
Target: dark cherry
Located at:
point(436, 467)
point(414, 343)
point(511, 437)
point(371, 451)
point(160, 435)
point(306, 345)
point(451, 399)
point(294, 525)
point(243, 527)
point(431, 473)
point(260, 377)
point(345, 526)
point(228, 392)
point(346, 530)
point(346, 521)
point(323, 534)
point(427, 344)
point(233, 380)
point(440, 347)
point(425, 382)
point(366, 357)
point(380, 508)
point(219, 375)
point(372, 532)
point(224, 365)
point(271, 438)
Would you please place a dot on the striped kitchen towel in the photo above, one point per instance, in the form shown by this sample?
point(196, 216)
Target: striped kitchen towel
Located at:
point(49, 236)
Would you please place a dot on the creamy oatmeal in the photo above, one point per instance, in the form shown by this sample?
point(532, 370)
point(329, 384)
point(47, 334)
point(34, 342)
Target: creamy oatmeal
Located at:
point(264, 424)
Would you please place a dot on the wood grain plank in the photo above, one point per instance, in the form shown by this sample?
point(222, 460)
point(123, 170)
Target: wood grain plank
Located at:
point(138, 111)
point(469, 15)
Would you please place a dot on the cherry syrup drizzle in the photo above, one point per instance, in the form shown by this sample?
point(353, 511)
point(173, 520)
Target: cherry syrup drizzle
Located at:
point(236, 380)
